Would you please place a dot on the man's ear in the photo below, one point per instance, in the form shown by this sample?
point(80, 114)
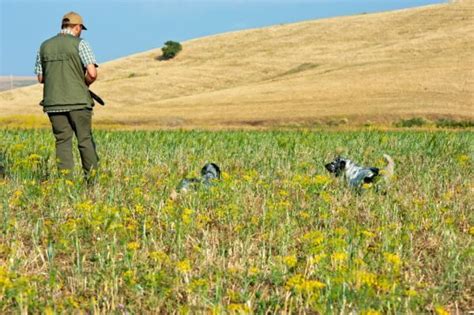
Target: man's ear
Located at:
point(77, 29)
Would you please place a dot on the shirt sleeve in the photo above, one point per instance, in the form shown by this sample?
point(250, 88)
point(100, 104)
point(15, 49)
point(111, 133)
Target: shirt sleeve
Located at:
point(38, 66)
point(86, 54)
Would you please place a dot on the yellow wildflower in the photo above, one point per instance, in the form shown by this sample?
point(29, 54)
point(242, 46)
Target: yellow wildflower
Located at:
point(314, 237)
point(290, 261)
point(463, 159)
point(253, 271)
point(225, 176)
point(197, 284)
point(132, 246)
point(316, 259)
point(341, 231)
point(441, 310)
point(322, 179)
point(393, 259)
point(139, 209)
point(233, 270)
point(339, 257)
point(48, 310)
point(283, 193)
point(184, 266)
point(17, 147)
point(239, 308)
point(364, 277)
point(254, 219)
point(411, 292)
point(312, 285)
point(366, 185)
point(85, 206)
point(325, 196)
point(5, 282)
point(304, 215)
point(301, 285)
point(160, 257)
point(471, 230)
point(294, 282)
point(368, 233)
point(385, 285)
point(186, 216)
point(65, 172)
point(34, 157)
point(129, 277)
point(202, 220)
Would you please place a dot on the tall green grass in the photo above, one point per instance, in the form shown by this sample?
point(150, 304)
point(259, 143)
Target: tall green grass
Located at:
point(277, 234)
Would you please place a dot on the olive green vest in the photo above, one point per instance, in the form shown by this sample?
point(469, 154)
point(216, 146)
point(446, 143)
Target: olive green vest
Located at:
point(64, 75)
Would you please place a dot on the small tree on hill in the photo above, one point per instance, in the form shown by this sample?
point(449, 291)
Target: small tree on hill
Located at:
point(171, 49)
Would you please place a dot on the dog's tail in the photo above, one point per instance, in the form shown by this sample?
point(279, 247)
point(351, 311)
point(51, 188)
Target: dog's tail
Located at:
point(389, 170)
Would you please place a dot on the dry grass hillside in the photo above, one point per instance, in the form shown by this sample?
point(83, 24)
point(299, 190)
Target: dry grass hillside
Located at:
point(378, 67)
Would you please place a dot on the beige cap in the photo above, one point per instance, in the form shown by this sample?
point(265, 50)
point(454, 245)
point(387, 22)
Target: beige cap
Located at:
point(73, 18)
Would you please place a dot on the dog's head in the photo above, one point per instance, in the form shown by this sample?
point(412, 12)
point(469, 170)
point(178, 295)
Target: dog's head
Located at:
point(337, 166)
point(211, 171)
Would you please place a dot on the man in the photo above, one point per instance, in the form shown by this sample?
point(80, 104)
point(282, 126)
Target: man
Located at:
point(66, 65)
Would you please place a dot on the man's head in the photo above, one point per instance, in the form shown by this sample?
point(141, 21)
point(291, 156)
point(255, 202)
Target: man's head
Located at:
point(73, 21)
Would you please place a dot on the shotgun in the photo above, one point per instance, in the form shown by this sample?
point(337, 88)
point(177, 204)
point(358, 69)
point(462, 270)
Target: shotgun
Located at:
point(97, 98)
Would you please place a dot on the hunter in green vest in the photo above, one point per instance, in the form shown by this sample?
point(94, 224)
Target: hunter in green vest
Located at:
point(66, 66)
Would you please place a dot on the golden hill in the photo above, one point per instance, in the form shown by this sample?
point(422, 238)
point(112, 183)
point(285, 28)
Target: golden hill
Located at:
point(378, 67)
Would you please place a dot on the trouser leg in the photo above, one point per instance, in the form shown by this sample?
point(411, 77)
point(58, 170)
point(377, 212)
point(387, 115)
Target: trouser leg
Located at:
point(63, 133)
point(81, 121)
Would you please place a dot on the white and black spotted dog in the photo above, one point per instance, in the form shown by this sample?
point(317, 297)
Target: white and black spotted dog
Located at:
point(357, 175)
point(209, 173)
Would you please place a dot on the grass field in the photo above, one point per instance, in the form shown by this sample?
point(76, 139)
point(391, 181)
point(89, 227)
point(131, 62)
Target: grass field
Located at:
point(378, 67)
point(275, 235)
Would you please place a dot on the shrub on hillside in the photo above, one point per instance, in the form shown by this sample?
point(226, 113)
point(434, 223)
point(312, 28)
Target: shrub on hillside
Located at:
point(171, 49)
point(449, 123)
point(412, 122)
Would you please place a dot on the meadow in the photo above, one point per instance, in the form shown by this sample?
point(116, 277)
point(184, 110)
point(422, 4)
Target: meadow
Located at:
point(277, 234)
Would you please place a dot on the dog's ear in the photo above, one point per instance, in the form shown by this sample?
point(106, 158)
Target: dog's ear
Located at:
point(205, 168)
point(329, 167)
point(218, 170)
point(342, 163)
point(375, 170)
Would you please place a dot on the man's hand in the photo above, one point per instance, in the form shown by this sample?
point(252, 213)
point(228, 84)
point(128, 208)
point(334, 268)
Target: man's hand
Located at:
point(91, 74)
point(40, 78)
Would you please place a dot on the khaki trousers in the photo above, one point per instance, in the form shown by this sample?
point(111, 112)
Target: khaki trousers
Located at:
point(78, 122)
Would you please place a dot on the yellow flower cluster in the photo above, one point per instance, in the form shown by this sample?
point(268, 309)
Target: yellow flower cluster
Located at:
point(392, 259)
point(183, 266)
point(299, 284)
point(314, 237)
point(239, 308)
point(133, 246)
point(290, 261)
